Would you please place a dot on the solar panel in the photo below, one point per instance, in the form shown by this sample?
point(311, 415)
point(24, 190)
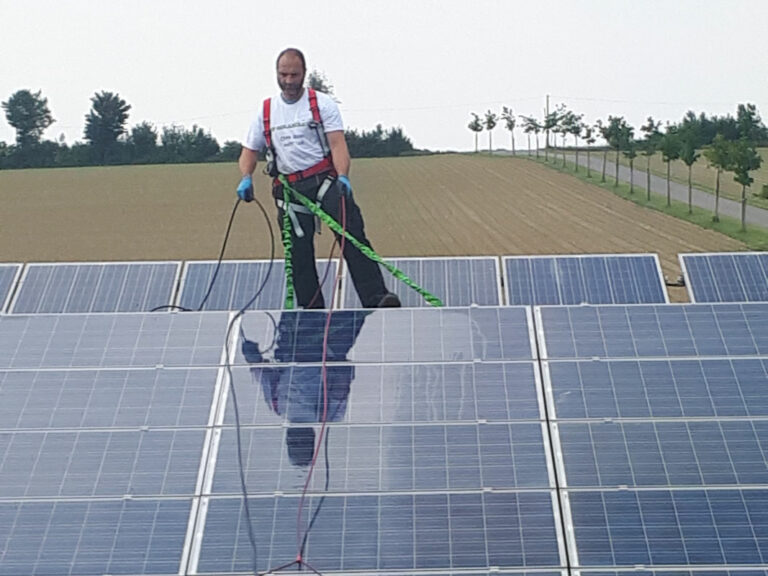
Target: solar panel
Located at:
point(392, 393)
point(102, 287)
point(670, 527)
point(389, 532)
point(400, 335)
point(694, 388)
point(653, 331)
point(238, 281)
point(68, 464)
point(726, 277)
point(405, 457)
point(568, 279)
point(9, 274)
point(111, 340)
point(665, 453)
point(74, 538)
point(456, 281)
point(90, 399)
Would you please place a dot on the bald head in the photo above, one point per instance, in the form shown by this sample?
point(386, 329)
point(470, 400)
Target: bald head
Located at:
point(294, 53)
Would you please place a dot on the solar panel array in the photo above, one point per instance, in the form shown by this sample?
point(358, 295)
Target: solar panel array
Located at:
point(134, 287)
point(657, 415)
point(238, 282)
point(456, 281)
point(595, 440)
point(426, 469)
point(9, 274)
point(98, 287)
point(103, 421)
point(726, 277)
point(608, 279)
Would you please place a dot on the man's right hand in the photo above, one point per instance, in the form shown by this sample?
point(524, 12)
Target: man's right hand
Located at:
point(245, 189)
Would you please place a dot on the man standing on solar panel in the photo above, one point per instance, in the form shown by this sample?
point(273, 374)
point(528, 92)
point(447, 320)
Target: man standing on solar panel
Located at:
point(303, 135)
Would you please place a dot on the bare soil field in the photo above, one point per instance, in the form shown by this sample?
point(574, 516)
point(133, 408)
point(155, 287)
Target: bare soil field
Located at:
point(448, 205)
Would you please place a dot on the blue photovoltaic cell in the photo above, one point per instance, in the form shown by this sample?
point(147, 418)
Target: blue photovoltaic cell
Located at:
point(655, 331)
point(103, 287)
point(237, 283)
point(396, 335)
point(670, 528)
point(740, 277)
point(112, 340)
point(8, 274)
point(456, 281)
point(548, 280)
point(683, 453)
point(81, 399)
point(374, 394)
point(98, 464)
point(387, 458)
point(84, 538)
point(388, 532)
point(660, 388)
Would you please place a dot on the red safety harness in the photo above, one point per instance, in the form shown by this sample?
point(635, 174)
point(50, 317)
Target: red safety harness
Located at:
point(326, 164)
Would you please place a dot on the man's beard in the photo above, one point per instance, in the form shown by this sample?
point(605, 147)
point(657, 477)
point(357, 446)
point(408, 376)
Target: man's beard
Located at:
point(291, 90)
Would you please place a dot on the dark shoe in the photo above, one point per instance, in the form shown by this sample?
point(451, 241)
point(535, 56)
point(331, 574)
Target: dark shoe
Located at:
point(389, 300)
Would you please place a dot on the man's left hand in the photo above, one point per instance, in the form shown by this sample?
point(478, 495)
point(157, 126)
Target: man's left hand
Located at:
point(346, 187)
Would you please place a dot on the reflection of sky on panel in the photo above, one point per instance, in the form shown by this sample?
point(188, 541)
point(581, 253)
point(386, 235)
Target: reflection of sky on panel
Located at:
point(104, 287)
point(237, 283)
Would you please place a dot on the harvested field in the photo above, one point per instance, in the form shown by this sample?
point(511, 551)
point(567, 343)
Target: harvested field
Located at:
point(427, 206)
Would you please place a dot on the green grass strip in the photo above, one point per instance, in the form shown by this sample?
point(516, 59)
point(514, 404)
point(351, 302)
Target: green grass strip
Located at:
point(336, 227)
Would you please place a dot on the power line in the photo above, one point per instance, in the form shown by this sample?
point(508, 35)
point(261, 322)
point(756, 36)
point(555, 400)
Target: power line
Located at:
point(508, 101)
point(656, 102)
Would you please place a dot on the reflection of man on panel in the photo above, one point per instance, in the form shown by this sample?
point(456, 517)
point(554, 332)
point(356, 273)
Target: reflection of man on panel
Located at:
point(296, 391)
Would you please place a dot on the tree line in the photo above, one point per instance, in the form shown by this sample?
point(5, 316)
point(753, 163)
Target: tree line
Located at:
point(107, 140)
point(729, 143)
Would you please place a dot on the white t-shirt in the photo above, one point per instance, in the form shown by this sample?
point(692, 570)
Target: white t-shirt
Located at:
point(297, 144)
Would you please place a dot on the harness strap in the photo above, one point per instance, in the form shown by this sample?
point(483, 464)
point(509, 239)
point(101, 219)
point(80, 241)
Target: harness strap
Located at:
point(325, 165)
point(313, 105)
point(324, 187)
point(318, 122)
point(290, 209)
point(268, 123)
point(293, 207)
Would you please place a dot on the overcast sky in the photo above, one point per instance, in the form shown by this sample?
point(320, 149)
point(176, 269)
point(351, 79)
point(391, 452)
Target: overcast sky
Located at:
point(424, 65)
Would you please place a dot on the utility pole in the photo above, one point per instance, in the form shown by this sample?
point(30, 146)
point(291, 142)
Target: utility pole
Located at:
point(545, 119)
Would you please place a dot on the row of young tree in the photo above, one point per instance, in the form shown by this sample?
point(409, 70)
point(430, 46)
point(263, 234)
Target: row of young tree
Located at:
point(728, 143)
point(107, 140)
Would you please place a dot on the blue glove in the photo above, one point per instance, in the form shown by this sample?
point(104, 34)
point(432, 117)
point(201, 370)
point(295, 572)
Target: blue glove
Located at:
point(245, 189)
point(346, 187)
